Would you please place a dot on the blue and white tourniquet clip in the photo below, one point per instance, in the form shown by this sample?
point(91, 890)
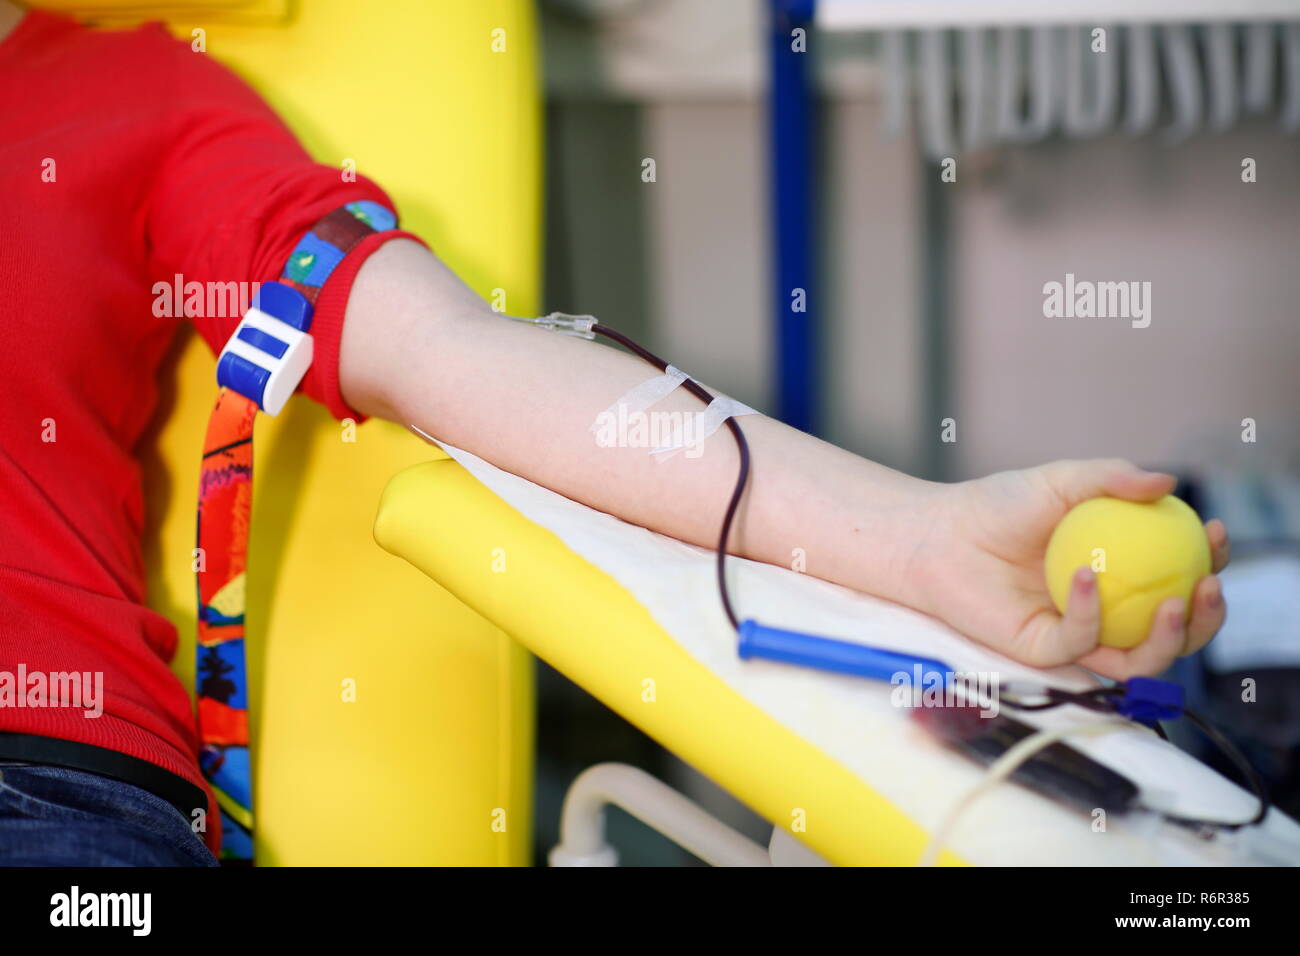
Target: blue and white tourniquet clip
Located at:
point(270, 352)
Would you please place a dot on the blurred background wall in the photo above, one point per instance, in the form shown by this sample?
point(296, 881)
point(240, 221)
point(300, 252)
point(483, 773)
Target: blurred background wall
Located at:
point(683, 263)
point(684, 260)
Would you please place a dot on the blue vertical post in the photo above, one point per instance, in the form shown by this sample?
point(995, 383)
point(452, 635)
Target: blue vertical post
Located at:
point(790, 129)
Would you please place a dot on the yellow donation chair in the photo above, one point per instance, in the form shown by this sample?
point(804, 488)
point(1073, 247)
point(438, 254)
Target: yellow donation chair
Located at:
point(391, 724)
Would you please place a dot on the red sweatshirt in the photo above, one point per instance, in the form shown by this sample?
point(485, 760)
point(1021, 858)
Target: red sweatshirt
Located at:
point(125, 159)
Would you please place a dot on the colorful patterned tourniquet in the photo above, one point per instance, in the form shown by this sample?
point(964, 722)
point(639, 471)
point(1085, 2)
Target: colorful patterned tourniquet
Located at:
point(225, 508)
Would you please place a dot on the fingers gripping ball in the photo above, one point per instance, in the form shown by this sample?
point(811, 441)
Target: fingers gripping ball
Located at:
point(1143, 554)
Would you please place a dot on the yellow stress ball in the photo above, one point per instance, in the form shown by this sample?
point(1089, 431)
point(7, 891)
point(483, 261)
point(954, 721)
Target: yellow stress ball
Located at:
point(1143, 554)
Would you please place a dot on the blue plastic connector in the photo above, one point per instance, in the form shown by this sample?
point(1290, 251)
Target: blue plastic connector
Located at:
point(1148, 700)
point(841, 657)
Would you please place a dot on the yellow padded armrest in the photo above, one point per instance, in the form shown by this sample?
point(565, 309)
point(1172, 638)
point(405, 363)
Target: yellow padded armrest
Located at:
point(526, 581)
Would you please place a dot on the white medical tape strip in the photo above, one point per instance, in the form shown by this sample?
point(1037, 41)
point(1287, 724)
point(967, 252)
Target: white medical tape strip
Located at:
point(642, 396)
point(701, 425)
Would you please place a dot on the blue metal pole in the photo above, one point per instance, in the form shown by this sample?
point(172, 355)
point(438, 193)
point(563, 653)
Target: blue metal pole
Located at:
point(791, 148)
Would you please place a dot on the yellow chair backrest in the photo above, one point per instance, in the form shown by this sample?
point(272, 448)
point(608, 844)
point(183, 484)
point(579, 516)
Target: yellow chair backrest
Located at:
point(391, 725)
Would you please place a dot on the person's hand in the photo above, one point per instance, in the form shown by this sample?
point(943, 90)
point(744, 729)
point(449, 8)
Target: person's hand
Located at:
point(981, 564)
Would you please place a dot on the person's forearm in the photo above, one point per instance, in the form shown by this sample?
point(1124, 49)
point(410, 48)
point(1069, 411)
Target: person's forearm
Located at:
point(420, 348)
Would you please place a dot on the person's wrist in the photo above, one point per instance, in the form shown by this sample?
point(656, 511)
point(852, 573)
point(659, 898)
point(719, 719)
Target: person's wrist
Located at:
point(923, 525)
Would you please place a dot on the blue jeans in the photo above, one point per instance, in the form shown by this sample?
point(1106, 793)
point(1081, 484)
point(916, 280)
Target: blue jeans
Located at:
point(52, 816)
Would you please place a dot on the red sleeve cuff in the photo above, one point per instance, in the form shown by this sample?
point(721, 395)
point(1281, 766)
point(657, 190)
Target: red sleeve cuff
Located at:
point(322, 379)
